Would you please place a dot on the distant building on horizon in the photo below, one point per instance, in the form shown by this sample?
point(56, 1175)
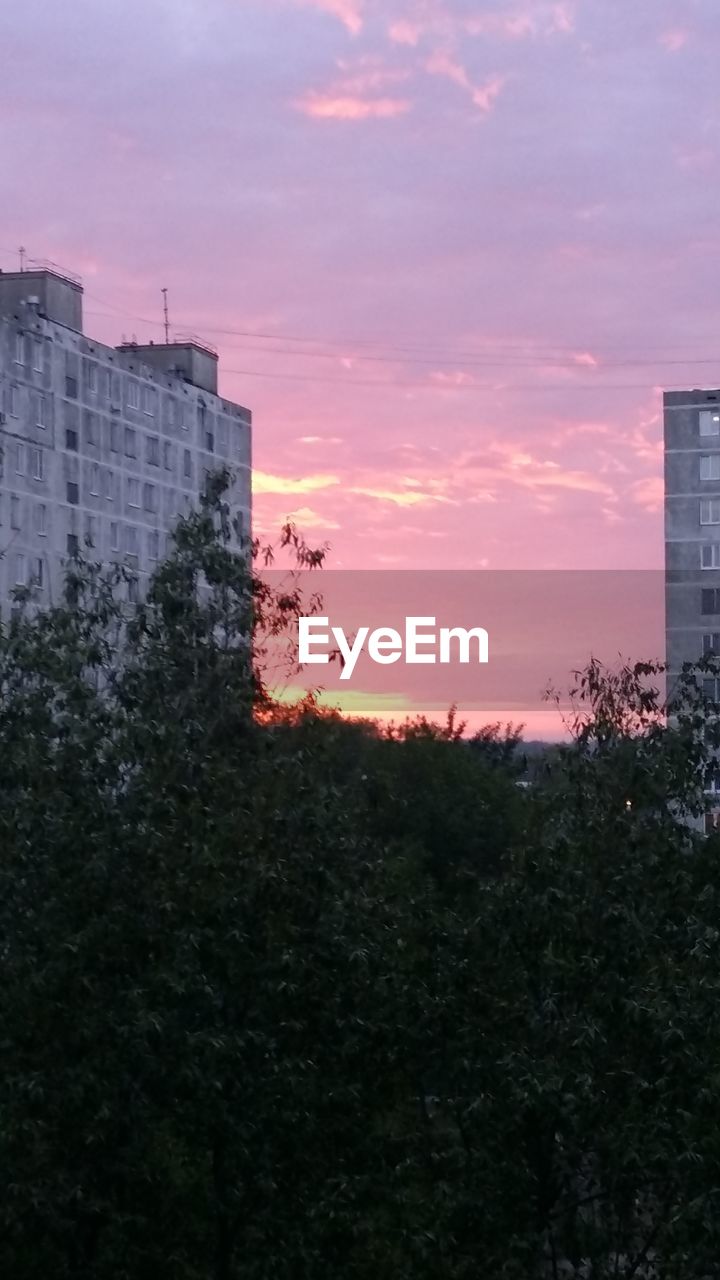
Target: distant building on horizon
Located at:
point(102, 445)
point(692, 538)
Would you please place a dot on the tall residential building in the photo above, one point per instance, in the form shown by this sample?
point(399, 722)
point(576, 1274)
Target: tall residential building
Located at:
point(101, 445)
point(692, 537)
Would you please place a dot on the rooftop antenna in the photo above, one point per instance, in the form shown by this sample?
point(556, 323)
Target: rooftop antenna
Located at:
point(22, 251)
point(165, 314)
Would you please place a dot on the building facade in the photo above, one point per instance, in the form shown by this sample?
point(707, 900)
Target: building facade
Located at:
point(692, 538)
point(102, 447)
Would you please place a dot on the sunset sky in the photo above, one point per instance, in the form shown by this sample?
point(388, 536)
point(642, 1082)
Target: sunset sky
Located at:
point(450, 251)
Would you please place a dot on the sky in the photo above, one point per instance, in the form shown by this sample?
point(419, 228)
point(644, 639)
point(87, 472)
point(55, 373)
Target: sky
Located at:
point(450, 251)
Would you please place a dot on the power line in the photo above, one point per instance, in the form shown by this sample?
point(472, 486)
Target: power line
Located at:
point(515, 357)
point(584, 389)
point(507, 354)
point(449, 357)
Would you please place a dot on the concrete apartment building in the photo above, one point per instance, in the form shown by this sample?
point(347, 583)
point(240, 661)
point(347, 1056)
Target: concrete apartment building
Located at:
point(692, 537)
point(104, 444)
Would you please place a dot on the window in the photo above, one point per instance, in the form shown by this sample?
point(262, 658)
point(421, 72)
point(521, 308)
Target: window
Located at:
point(104, 383)
point(41, 519)
point(167, 455)
point(239, 525)
point(710, 510)
point(37, 464)
point(133, 594)
point(709, 422)
point(71, 439)
point(71, 387)
point(710, 466)
point(150, 497)
point(114, 438)
point(710, 600)
point(712, 822)
point(152, 450)
point(710, 555)
point(108, 485)
point(95, 478)
point(131, 539)
point(91, 377)
point(19, 569)
point(19, 349)
point(38, 571)
point(13, 401)
point(711, 689)
point(130, 443)
point(148, 401)
point(133, 492)
point(187, 464)
point(20, 459)
point(154, 544)
point(209, 441)
point(711, 643)
point(90, 530)
point(180, 415)
point(14, 512)
point(91, 428)
point(73, 495)
point(37, 355)
point(133, 395)
point(114, 538)
point(40, 411)
point(201, 416)
point(72, 544)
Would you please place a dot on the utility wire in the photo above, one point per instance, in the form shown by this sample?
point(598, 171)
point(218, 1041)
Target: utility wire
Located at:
point(457, 359)
point(515, 357)
point(583, 389)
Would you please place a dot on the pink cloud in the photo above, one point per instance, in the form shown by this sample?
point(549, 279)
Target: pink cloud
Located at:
point(649, 493)
point(265, 482)
point(515, 27)
point(404, 32)
point(508, 464)
point(456, 379)
point(362, 92)
point(307, 518)
point(330, 106)
point(349, 12)
point(400, 497)
point(541, 19)
point(483, 96)
point(561, 19)
point(368, 75)
point(673, 40)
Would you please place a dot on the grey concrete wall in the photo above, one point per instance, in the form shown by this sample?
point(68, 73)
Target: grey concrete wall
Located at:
point(59, 300)
point(188, 360)
point(689, 626)
point(55, 382)
point(685, 536)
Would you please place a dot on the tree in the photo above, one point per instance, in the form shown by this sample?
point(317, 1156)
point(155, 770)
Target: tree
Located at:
point(287, 997)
